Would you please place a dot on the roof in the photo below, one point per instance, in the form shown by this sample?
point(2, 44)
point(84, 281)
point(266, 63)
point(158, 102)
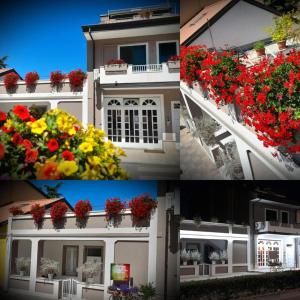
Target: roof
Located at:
point(26, 206)
point(132, 24)
point(275, 203)
point(5, 71)
point(209, 15)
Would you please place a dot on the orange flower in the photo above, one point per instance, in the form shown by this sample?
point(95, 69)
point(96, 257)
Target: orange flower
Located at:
point(2, 151)
point(31, 156)
point(48, 171)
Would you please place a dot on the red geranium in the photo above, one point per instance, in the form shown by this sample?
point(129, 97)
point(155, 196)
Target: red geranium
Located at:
point(67, 155)
point(6, 129)
point(2, 116)
point(2, 151)
point(141, 207)
point(174, 58)
point(58, 211)
point(56, 78)
point(17, 139)
point(10, 80)
point(113, 208)
point(22, 112)
point(31, 156)
point(37, 213)
point(82, 208)
point(27, 144)
point(115, 62)
point(76, 78)
point(16, 210)
point(31, 79)
point(52, 145)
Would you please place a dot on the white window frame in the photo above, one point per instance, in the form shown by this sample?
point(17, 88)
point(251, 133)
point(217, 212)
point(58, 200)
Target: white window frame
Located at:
point(273, 209)
point(288, 214)
point(135, 44)
point(265, 251)
point(165, 42)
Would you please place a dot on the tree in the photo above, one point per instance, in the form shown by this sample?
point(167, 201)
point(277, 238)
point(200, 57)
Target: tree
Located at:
point(282, 6)
point(2, 62)
point(52, 191)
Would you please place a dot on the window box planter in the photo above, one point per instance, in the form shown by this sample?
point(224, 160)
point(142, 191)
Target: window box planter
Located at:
point(173, 64)
point(116, 67)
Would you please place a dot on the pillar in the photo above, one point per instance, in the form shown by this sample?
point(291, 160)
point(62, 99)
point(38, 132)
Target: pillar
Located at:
point(230, 254)
point(8, 255)
point(33, 264)
point(109, 259)
point(243, 154)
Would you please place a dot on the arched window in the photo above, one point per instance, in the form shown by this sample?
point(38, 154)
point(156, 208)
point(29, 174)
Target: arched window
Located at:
point(131, 102)
point(114, 102)
point(149, 102)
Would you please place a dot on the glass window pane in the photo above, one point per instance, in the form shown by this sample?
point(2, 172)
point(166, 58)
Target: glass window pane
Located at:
point(135, 55)
point(166, 50)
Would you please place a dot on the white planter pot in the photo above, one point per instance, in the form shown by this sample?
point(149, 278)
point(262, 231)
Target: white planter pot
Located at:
point(213, 262)
point(50, 276)
point(185, 263)
point(174, 64)
point(22, 273)
point(90, 280)
point(195, 262)
point(116, 67)
point(223, 262)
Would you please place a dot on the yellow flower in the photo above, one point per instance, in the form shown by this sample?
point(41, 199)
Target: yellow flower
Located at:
point(91, 173)
point(121, 152)
point(94, 160)
point(85, 147)
point(68, 167)
point(9, 123)
point(39, 126)
point(72, 131)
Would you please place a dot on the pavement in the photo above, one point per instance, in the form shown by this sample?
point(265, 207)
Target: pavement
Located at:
point(17, 296)
point(287, 295)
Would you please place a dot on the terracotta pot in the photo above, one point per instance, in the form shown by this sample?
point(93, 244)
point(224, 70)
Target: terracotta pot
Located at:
point(261, 52)
point(281, 45)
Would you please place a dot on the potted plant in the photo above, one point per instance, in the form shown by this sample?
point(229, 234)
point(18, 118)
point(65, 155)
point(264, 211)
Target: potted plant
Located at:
point(197, 220)
point(90, 269)
point(37, 213)
point(214, 257)
point(116, 65)
point(57, 212)
point(49, 267)
point(113, 209)
point(185, 256)
point(31, 79)
point(147, 291)
point(10, 81)
point(195, 256)
point(23, 264)
point(281, 30)
point(141, 208)
point(76, 79)
point(260, 48)
point(174, 62)
point(56, 79)
point(223, 256)
point(82, 209)
point(16, 210)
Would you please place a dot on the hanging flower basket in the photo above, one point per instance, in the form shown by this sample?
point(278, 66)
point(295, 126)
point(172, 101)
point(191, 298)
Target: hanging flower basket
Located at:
point(16, 210)
point(113, 210)
point(56, 79)
point(57, 212)
point(11, 81)
point(141, 208)
point(31, 79)
point(37, 213)
point(76, 79)
point(82, 209)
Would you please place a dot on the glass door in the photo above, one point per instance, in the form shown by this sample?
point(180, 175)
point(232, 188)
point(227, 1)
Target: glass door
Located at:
point(70, 260)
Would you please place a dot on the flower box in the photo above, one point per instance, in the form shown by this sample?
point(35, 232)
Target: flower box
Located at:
point(116, 67)
point(173, 64)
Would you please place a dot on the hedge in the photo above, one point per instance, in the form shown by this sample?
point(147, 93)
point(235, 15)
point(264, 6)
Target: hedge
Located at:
point(241, 286)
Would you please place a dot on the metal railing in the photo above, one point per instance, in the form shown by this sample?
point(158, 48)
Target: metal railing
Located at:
point(147, 68)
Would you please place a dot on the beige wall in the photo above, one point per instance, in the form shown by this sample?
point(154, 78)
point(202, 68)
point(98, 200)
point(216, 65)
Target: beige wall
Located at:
point(73, 108)
point(108, 49)
point(6, 106)
point(239, 252)
point(43, 287)
point(91, 294)
point(135, 254)
point(18, 284)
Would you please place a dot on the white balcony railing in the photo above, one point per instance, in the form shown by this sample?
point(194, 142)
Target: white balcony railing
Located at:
point(269, 226)
point(147, 68)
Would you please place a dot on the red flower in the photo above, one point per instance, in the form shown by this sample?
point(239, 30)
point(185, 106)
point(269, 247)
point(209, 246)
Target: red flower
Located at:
point(113, 208)
point(2, 116)
point(2, 151)
point(31, 78)
point(31, 156)
point(82, 208)
point(76, 78)
point(37, 213)
point(52, 145)
point(67, 155)
point(27, 144)
point(16, 210)
point(6, 129)
point(115, 62)
point(17, 139)
point(22, 112)
point(56, 78)
point(57, 212)
point(10, 80)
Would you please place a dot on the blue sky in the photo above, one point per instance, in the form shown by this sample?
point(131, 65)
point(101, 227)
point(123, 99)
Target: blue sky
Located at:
point(98, 191)
point(46, 35)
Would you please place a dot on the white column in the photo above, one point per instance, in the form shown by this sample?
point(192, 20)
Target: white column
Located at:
point(85, 104)
point(153, 245)
point(244, 158)
point(8, 255)
point(33, 264)
point(109, 259)
point(229, 253)
point(53, 104)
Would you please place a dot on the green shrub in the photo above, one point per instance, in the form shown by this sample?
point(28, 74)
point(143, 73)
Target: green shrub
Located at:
point(235, 287)
point(259, 45)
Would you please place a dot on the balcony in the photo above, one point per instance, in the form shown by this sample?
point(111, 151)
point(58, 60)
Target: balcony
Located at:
point(270, 226)
point(151, 73)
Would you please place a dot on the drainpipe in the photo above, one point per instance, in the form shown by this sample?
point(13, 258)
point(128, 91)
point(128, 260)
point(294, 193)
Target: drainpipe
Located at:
point(94, 85)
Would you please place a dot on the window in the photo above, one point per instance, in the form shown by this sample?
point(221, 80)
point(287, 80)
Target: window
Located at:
point(165, 50)
point(271, 215)
point(267, 251)
point(92, 252)
point(70, 260)
point(285, 217)
point(134, 54)
point(298, 216)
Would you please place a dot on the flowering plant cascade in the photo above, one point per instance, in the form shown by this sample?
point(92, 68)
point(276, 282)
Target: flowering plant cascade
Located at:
point(116, 62)
point(142, 207)
point(113, 208)
point(57, 212)
point(11, 80)
point(56, 78)
point(55, 146)
point(31, 79)
point(174, 58)
point(16, 210)
point(76, 79)
point(37, 213)
point(82, 208)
